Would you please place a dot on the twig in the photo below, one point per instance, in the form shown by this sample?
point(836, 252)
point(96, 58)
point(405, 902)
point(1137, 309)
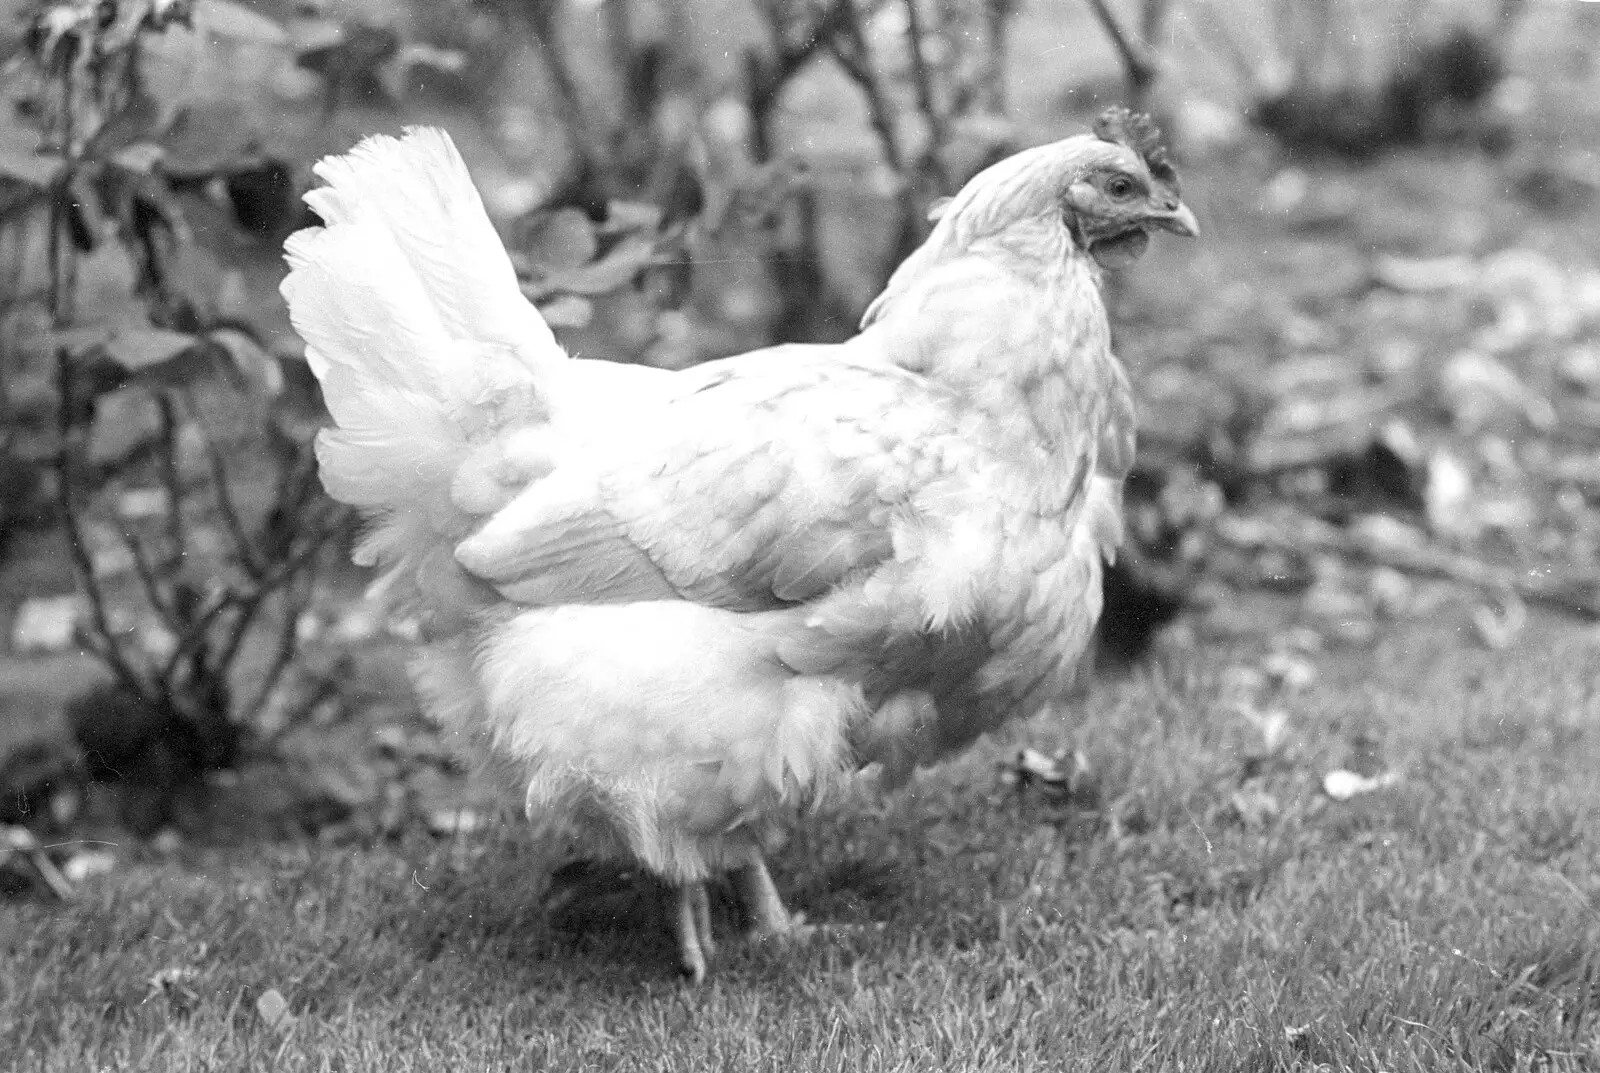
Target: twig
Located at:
point(249, 604)
point(767, 80)
point(171, 480)
point(1155, 14)
point(71, 435)
point(221, 490)
point(997, 14)
point(849, 47)
point(932, 160)
point(1139, 63)
point(148, 581)
point(295, 599)
point(194, 635)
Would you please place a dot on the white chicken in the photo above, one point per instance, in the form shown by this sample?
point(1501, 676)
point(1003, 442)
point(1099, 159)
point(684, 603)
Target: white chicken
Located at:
point(685, 604)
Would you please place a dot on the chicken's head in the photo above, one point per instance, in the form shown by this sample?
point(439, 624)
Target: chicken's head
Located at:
point(1123, 186)
point(1110, 189)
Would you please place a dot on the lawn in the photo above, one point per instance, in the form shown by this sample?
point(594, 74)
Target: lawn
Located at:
point(1210, 907)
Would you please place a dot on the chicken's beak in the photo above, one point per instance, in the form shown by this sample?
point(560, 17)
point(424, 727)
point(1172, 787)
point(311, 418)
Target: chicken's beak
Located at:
point(1175, 216)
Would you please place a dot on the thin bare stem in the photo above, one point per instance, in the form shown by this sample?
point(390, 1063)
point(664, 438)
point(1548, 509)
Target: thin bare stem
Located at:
point(1155, 17)
point(932, 160)
point(768, 79)
point(249, 603)
point(71, 433)
point(172, 481)
point(1139, 63)
point(997, 15)
point(849, 46)
point(195, 634)
point(222, 492)
point(296, 596)
point(145, 571)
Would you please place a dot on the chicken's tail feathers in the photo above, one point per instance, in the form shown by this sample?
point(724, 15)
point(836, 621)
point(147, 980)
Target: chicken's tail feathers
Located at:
point(413, 320)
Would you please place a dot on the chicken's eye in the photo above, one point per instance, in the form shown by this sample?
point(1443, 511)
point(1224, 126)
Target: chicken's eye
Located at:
point(1121, 187)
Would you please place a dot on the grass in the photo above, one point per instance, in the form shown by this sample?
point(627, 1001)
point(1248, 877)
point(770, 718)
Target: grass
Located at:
point(1448, 922)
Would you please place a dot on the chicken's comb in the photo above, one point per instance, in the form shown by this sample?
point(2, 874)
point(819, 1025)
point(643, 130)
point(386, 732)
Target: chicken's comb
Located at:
point(1138, 132)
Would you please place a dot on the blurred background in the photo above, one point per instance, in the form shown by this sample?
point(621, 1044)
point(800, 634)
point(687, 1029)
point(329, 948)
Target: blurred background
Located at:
point(1370, 392)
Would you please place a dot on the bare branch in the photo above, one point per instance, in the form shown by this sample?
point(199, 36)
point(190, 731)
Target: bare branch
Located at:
point(222, 492)
point(171, 480)
point(72, 435)
point(148, 581)
point(195, 634)
point(249, 603)
point(1155, 17)
point(767, 79)
point(296, 597)
point(849, 47)
point(932, 162)
point(1139, 62)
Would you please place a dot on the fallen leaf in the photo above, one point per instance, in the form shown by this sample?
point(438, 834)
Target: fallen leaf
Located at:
point(173, 984)
point(1447, 496)
point(1498, 626)
point(82, 866)
point(567, 311)
point(273, 1008)
point(46, 624)
point(1342, 784)
point(1424, 274)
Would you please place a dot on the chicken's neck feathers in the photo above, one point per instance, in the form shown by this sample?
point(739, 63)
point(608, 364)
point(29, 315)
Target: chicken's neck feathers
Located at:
point(1014, 325)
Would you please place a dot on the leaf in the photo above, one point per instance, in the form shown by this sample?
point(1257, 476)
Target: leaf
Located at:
point(567, 311)
point(20, 158)
point(616, 269)
point(174, 985)
point(1498, 626)
point(356, 60)
point(257, 371)
point(140, 157)
point(208, 137)
point(559, 240)
point(273, 1008)
point(224, 18)
point(140, 350)
point(623, 216)
point(1342, 784)
point(400, 73)
point(85, 866)
point(137, 121)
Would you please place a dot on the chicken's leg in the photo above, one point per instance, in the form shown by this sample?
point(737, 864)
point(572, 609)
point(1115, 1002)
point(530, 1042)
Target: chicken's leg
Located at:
point(691, 927)
point(764, 909)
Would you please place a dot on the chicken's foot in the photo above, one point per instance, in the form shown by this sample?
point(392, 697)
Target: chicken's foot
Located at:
point(692, 929)
point(764, 909)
